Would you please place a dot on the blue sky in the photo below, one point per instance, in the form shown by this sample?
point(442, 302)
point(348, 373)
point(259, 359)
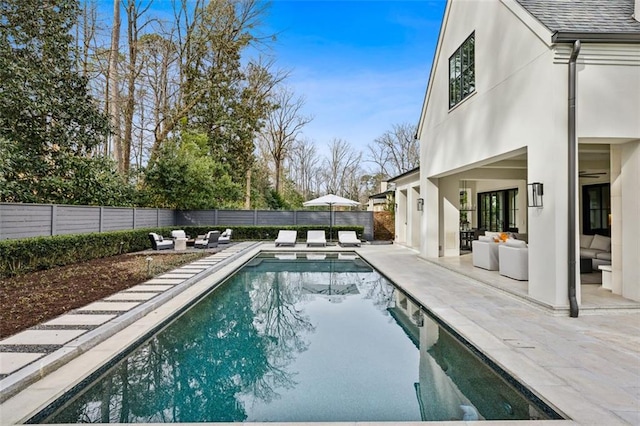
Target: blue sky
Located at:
point(362, 66)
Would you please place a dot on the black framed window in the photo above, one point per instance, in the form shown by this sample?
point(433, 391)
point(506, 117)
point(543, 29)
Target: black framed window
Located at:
point(462, 72)
point(596, 208)
point(497, 210)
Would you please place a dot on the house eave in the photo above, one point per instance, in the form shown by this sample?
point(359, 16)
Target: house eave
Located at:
point(586, 37)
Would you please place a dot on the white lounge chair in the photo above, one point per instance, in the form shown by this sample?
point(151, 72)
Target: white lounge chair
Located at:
point(225, 237)
point(348, 238)
point(316, 238)
point(286, 238)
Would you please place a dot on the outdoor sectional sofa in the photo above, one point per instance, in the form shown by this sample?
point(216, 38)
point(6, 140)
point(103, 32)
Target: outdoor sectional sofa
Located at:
point(597, 248)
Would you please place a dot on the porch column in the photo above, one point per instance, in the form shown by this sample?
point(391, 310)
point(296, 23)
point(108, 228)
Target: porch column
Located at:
point(429, 245)
point(629, 223)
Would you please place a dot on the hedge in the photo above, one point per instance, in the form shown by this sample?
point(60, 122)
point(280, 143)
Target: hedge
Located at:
point(31, 254)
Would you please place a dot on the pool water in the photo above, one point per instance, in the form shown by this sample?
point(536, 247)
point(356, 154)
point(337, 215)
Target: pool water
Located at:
point(300, 337)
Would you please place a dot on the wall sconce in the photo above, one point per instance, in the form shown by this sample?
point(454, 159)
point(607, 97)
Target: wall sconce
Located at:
point(418, 318)
point(535, 191)
point(420, 204)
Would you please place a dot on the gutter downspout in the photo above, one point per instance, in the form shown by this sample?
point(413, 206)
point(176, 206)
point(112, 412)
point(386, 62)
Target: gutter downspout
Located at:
point(573, 302)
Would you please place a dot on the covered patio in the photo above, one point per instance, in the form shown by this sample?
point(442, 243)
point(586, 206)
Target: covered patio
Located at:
point(595, 299)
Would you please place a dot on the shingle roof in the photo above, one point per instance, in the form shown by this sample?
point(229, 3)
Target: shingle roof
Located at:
point(585, 16)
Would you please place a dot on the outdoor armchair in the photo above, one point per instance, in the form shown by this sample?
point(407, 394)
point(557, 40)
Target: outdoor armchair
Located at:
point(514, 260)
point(210, 240)
point(485, 253)
point(225, 237)
point(159, 243)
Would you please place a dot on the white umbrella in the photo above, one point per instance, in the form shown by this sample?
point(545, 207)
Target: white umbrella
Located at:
point(330, 200)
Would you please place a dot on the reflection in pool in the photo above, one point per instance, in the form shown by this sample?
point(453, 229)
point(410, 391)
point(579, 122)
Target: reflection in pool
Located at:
point(297, 337)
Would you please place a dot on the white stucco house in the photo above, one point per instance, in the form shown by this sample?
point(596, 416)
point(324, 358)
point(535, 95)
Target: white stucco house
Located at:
point(535, 91)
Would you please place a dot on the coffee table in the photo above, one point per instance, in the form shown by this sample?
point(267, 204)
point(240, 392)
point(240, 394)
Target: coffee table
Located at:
point(585, 265)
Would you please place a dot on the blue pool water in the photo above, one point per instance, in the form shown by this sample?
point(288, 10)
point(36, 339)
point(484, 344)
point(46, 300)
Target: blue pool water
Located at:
point(319, 337)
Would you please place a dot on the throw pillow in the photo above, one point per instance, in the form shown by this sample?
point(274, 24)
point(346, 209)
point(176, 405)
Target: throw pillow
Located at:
point(600, 242)
point(586, 240)
point(516, 243)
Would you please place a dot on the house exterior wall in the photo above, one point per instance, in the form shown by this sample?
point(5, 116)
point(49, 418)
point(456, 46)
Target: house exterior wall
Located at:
point(520, 105)
point(407, 217)
point(503, 115)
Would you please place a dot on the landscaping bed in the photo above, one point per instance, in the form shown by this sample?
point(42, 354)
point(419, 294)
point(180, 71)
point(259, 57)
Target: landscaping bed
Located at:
point(29, 299)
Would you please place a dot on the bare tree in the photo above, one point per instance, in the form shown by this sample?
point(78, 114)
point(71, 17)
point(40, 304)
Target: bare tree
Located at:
point(282, 128)
point(303, 167)
point(396, 151)
point(342, 170)
point(132, 72)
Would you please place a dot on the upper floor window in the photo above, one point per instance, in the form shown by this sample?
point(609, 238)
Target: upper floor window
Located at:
point(462, 72)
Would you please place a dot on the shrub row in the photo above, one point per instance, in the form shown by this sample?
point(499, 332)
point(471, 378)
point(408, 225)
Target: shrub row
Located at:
point(266, 233)
point(31, 254)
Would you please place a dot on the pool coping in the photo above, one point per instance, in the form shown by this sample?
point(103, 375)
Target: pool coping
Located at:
point(93, 352)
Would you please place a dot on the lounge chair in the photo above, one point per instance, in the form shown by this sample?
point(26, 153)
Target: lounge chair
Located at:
point(286, 238)
point(225, 237)
point(159, 243)
point(210, 240)
point(316, 238)
point(348, 238)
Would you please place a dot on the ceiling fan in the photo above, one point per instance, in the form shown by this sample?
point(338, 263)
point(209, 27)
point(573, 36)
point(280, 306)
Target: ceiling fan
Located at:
point(591, 175)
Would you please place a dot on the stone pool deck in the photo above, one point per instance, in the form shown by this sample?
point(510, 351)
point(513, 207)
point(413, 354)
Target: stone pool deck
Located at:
point(588, 368)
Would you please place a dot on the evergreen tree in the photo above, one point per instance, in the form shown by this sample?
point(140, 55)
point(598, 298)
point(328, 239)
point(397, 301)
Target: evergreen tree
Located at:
point(49, 124)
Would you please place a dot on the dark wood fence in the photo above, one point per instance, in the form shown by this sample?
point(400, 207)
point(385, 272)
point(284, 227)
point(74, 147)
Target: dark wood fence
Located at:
point(36, 220)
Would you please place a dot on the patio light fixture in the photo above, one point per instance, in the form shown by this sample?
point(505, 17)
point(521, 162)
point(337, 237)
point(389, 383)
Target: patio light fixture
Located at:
point(420, 204)
point(418, 318)
point(535, 191)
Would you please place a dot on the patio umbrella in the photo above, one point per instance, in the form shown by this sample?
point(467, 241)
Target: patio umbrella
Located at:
point(330, 200)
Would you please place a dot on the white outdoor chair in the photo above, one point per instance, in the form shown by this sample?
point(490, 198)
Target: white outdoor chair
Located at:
point(316, 238)
point(348, 238)
point(286, 238)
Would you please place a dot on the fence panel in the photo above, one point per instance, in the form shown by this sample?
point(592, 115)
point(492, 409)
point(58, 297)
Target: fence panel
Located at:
point(24, 220)
point(236, 217)
point(76, 220)
point(146, 218)
point(275, 218)
point(166, 217)
point(305, 217)
point(33, 220)
point(195, 217)
point(116, 218)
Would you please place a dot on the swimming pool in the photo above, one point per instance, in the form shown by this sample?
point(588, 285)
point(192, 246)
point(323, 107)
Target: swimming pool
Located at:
point(300, 337)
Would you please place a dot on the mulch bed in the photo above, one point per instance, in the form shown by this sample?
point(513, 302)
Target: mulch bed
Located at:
point(29, 299)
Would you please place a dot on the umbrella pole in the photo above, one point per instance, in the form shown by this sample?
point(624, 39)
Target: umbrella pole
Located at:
point(330, 223)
